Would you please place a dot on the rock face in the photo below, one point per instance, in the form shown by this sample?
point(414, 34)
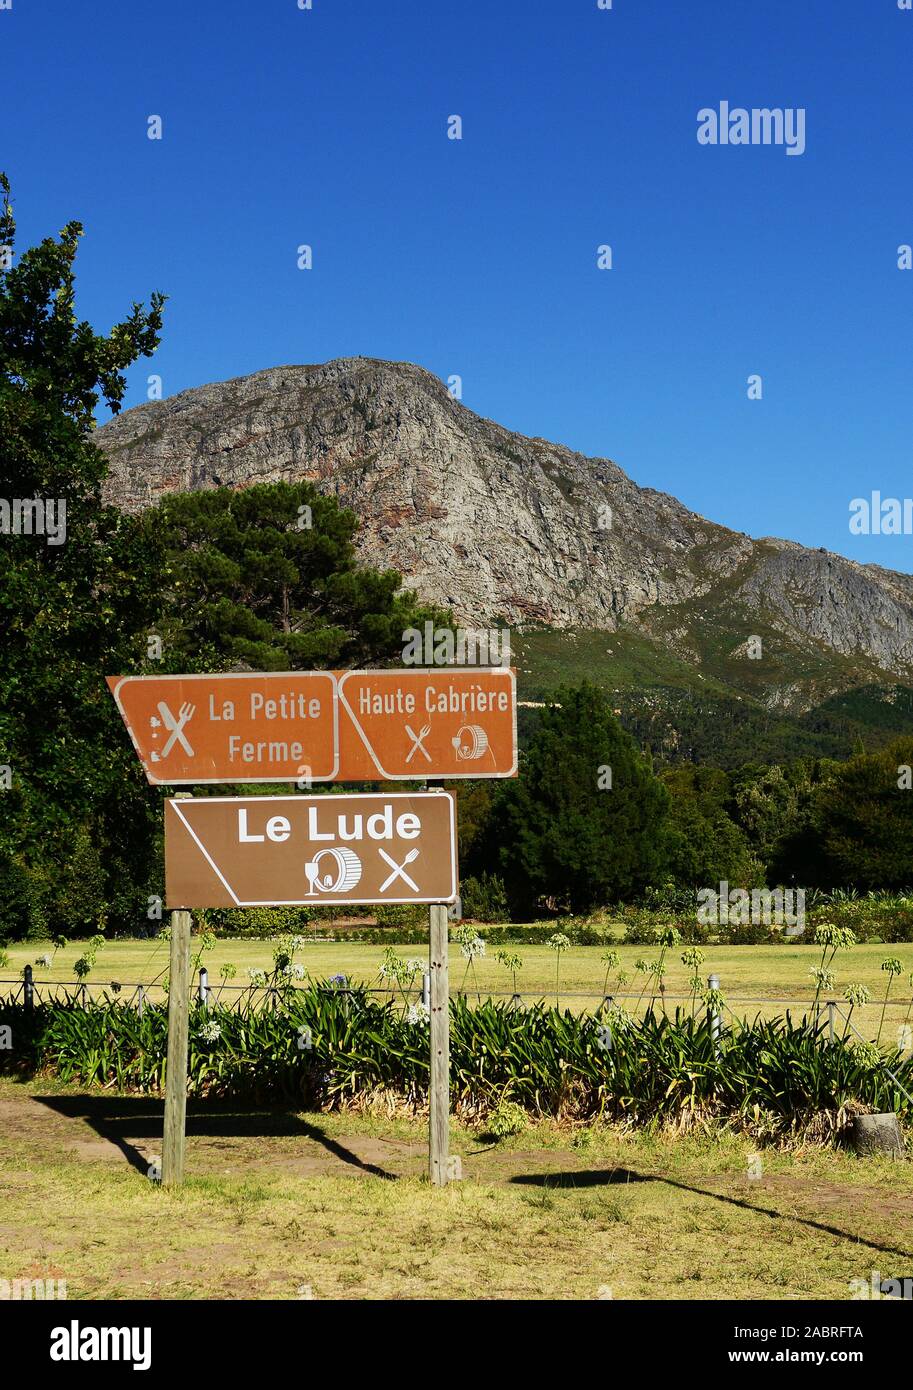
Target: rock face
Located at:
point(491, 523)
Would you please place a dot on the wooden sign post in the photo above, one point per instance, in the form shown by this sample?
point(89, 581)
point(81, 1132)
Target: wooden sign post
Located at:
point(176, 1073)
point(391, 847)
point(439, 1081)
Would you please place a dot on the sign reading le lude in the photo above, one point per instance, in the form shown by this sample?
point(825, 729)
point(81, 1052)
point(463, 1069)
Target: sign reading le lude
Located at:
point(287, 850)
point(322, 726)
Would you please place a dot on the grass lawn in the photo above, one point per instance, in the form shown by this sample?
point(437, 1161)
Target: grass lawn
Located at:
point(746, 972)
point(284, 1205)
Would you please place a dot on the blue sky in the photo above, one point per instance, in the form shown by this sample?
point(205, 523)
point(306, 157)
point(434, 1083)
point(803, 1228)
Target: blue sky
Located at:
point(478, 257)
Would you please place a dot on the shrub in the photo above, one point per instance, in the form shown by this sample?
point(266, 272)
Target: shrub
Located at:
point(549, 1062)
point(749, 934)
point(257, 922)
point(505, 1119)
point(484, 899)
point(874, 917)
point(401, 915)
point(642, 932)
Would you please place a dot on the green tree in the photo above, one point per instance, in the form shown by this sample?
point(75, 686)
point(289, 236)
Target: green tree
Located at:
point(765, 803)
point(703, 850)
point(863, 820)
point(797, 855)
point(267, 578)
point(475, 801)
point(703, 845)
point(707, 788)
point(563, 835)
point(72, 603)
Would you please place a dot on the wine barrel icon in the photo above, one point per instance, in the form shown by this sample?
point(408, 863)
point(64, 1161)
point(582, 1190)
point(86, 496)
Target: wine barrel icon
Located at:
point(470, 743)
point(340, 875)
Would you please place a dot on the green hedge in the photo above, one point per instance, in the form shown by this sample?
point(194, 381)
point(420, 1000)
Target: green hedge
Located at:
point(879, 917)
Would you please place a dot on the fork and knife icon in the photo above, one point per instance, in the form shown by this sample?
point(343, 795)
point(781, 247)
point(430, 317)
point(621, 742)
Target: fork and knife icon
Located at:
point(399, 870)
point(176, 725)
point(417, 742)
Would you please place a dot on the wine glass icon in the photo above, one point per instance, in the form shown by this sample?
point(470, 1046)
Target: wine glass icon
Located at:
point(312, 869)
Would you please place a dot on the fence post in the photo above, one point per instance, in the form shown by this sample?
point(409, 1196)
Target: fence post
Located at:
point(28, 988)
point(204, 987)
point(713, 983)
point(831, 1010)
point(426, 991)
point(140, 999)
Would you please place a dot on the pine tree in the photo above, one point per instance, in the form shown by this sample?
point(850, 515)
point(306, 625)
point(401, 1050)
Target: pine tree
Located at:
point(583, 823)
point(266, 578)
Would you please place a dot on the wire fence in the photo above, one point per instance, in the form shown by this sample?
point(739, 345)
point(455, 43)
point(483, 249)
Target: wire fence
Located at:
point(26, 990)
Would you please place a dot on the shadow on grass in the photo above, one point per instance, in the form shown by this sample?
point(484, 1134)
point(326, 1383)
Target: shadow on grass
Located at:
point(583, 1177)
point(597, 1177)
point(114, 1118)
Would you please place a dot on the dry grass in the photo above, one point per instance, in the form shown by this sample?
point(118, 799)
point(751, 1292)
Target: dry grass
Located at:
point(279, 1205)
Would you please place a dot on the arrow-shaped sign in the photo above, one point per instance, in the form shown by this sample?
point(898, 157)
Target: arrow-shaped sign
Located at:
point(290, 850)
point(322, 726)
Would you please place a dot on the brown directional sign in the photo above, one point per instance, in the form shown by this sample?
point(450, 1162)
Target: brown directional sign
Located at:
point(322, 726)
point(232, 728)
point(264, 851)
point(443, 722)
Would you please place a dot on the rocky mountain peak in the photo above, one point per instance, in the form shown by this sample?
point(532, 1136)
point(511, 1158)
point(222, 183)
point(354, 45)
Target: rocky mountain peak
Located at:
point(496, 525)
